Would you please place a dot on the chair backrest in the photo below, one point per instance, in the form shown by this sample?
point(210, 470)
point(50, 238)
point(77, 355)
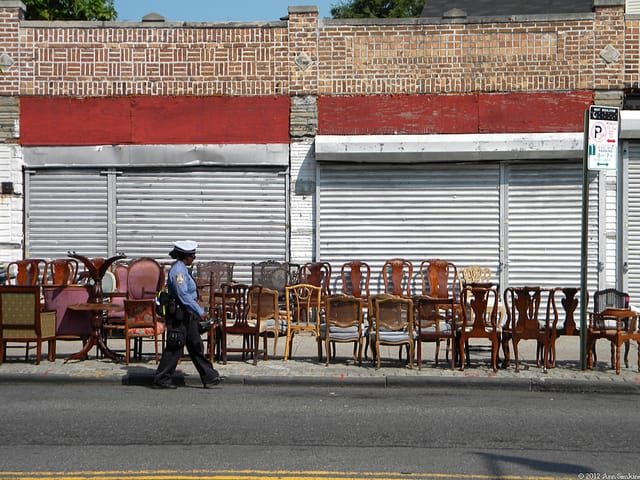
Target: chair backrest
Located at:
point(25, 272)
point(609, 298)
point(69, 323)
point(303, 302)
point(522, 305)
point(475, 274)
point(439, 279)
point(394, 314)
point(318, 274)
point(397, 275)
point(145, 277)
point(61, 271)
point(343, 311)
point(210, 276)
point(482, 301)
point(263, 303)
point(235, 303)
point(356, 276)
point(19, 312)
point(274, 275)
point(569, 299)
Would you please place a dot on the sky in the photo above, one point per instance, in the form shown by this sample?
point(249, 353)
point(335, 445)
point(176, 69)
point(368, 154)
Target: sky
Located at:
point(216, 10)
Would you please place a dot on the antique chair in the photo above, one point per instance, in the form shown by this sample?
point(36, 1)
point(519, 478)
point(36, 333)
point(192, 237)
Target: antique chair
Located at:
point(480, 321)
point(70, 324)
point(569, 299)
point(393, 325)
point(145, 278)
point(302, 312)
point(210, 276)
point(234, 320)
point(613, 320)
point(140, 322)
point(61, 271)
point(397, 275)
point(355, 276)
point(114, 321)
point(318, 274)
point(522, 305)
point(432, 324)
point(342, 323)
point(25, 272)
point(22, 320)
point(275, 275)
point(440, 283)
point(264, 307)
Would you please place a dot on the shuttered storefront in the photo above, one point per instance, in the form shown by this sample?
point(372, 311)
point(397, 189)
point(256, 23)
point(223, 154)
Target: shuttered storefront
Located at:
point(544, 219)
point(235, 215)
point(417, 212)
point(65, 210)
point(454, 211)
point(633, 235)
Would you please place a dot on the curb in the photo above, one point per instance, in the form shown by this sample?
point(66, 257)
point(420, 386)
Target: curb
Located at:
point(485, 383)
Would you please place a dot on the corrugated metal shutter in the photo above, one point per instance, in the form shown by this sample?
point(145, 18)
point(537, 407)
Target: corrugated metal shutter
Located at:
point(633, 239)
point(374, 212)
point(66, 210)
point(544, 216)
point(234, 215)
point(632, 7)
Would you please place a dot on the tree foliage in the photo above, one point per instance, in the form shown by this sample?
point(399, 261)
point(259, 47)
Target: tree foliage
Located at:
point(70, 10)
point(377, 8)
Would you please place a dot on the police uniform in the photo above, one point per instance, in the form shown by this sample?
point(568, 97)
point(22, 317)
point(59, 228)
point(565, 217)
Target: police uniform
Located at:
point(181, 284)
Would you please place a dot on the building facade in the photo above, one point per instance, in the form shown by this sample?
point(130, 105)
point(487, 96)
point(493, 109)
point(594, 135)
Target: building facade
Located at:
point(321, 139)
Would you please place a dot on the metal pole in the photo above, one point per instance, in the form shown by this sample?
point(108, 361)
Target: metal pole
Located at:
point(584, 246)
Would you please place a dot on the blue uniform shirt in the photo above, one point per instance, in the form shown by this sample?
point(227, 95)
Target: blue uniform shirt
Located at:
point(182, 285)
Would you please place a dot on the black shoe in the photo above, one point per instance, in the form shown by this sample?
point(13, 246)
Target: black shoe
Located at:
point(167, 385)
point(215, 381)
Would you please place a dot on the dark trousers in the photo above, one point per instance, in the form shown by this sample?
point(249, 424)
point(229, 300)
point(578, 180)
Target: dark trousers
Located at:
point(193, 342)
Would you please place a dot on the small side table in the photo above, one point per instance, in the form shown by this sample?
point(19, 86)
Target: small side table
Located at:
point(98, 309)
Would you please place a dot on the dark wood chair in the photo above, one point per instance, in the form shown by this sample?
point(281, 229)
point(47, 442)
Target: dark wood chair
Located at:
point(522, 305)
point(356, 276)
point(318, 274)
point(209, 277)
point(568, 299)
point(235, 320)
point(397, 275)
point(275, 275)
point(612, 319)
point(440, 283)
point(61, 271)
point(22, 320)
point(343, 323)
point(29, 271)
point(480, 320)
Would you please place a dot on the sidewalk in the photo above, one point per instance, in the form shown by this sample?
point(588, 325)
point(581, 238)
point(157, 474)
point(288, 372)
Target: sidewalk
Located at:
point(303, 368)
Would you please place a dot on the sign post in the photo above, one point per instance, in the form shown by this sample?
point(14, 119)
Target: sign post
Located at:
point(601, 131)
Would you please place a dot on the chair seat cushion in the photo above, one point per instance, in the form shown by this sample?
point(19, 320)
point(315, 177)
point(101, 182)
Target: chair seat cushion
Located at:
point(339, 333)
point(391, 337)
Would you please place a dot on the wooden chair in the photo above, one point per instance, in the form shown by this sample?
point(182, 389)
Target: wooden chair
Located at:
point(440, 283)
point(22, 320)
point(343, 323)
point(25, 272)
point(303, 302)
point(568, 298)
point(70, 324)
point(264, 308)
point(140, 322)
point(114, 321)
point(397, 275)
point(355, 276)
point(522, 305)
point(393, 325)
point(275, 275)
point(432, 324)
point(481, 321)
point(613, 320)
point(318, 274)
point(61, 271)
point(145, 278)
point(209, 277)
point(235, 321)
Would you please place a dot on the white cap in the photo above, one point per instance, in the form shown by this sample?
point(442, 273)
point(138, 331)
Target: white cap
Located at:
point(186, 246)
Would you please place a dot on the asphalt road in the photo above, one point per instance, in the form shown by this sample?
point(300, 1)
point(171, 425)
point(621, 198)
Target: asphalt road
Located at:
point(107, 431)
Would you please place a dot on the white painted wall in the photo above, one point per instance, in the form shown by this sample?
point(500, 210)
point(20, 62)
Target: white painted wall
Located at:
point(303, 171)
point(11, 206)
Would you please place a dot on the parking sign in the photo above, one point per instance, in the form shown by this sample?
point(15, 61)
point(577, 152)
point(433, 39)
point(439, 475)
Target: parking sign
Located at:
point(602, 149)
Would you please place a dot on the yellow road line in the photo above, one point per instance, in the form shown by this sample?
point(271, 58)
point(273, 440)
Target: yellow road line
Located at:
point(255, 475)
